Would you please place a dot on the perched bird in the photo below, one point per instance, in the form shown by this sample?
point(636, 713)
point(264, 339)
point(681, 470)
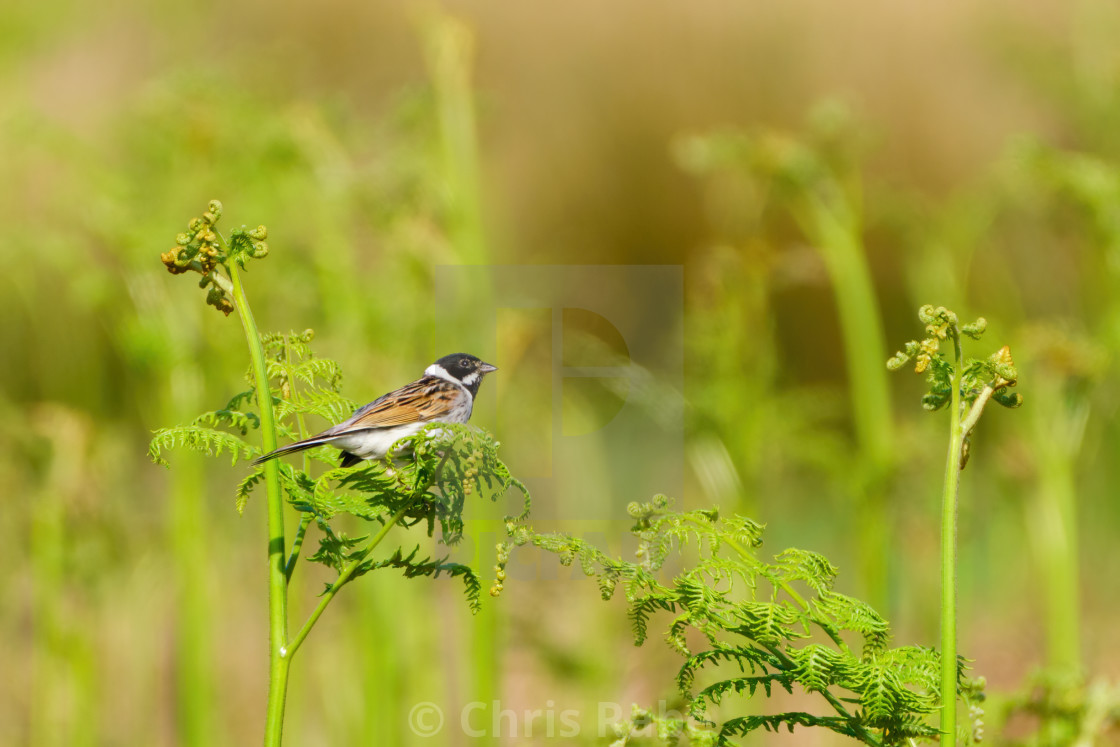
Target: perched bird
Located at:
point(444, 394)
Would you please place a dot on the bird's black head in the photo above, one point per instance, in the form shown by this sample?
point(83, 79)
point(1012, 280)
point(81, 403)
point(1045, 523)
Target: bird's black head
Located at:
point(463, 368)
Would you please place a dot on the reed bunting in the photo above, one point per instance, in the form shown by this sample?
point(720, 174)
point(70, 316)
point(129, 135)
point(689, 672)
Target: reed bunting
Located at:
point(444, 394)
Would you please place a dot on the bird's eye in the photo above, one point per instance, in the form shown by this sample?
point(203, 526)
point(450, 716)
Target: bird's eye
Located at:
point(465, 364)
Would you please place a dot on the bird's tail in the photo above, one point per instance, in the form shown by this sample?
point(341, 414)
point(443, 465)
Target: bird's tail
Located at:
point(290, 449)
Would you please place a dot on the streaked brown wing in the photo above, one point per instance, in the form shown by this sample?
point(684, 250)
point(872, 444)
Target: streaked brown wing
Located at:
point(426, 399)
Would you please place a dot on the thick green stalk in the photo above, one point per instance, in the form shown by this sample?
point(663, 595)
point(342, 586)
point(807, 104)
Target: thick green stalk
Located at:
point(1055, 523)
point(448, 51)
point(277, 572)
point(834, 226)
point(1059, 426)
point(949, 554)
point(49, 722)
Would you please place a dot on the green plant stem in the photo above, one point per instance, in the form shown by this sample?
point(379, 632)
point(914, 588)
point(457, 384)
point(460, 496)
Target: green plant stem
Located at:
point(277, 571)
point(48, 722)
point(448, 52)
point(949, 554)
point(344, 576)
point(834, 226)
point(1055, 520)
point(1059, 427)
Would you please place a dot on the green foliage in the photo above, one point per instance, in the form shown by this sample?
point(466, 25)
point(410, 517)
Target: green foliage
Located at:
point(427, 477)
point(198, 438)
point(762, 625)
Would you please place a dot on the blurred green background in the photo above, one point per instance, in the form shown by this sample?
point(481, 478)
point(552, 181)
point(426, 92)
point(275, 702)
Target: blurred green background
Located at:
point(818, 170)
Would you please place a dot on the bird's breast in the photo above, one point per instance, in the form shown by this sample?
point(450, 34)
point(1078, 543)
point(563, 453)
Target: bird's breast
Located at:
point(460, 412)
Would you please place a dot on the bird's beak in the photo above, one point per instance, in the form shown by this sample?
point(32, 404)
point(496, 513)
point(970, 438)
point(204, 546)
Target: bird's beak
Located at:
point(487, 368)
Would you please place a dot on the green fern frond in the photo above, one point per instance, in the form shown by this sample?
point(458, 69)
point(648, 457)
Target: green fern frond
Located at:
point(201, 439)
point(640, 611)
point(883, 696)
point(755, 617)
point(917, 664)
point(336, 550)
point(235, 419)
point(309, 370)
point(739, 529)
point(329, 405)
point(745, 658)
point(741, 727)
point(675, 636)
point(715, 693)
point(367, 491)
point(285, 345)
point(245, 487)
point(767, 622)
point(848, 613)
point(810, 567)
point(815, 666)
point(238, 402)
point(428, 567)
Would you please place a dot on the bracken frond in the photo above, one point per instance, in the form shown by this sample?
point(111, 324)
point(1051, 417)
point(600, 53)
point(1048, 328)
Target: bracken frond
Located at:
point(198, 438)
point(431, 568)
point(760, 624)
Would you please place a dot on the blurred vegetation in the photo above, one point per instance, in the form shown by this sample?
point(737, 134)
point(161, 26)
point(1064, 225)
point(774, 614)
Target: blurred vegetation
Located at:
point(978, 165)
